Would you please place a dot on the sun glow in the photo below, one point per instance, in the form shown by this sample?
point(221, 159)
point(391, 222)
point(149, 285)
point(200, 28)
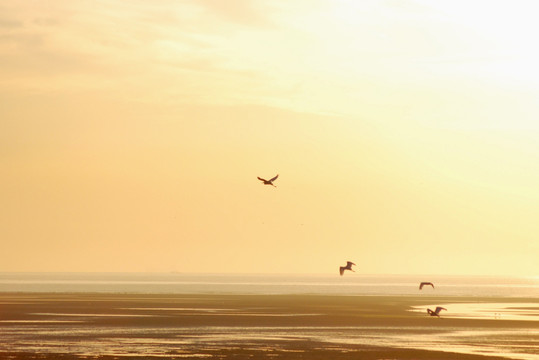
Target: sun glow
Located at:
point(133, 133)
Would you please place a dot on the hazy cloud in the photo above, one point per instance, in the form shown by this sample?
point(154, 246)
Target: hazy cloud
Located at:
point(243, 12)
point(9, 24)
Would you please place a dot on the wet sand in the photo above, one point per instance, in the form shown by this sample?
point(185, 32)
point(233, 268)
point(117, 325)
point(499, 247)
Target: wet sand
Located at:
point(132, 326)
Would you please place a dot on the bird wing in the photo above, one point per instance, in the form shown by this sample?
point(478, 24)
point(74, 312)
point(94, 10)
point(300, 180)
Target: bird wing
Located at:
point(349, 264)
point(259, 178)
point(421, 286)
point(439, 308)
point(341, 270)
point(274, 178)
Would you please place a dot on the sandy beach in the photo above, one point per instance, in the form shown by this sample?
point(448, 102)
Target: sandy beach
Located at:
point(132, 326)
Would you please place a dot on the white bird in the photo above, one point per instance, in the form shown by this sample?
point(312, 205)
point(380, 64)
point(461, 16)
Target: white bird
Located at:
point(270, 181)
point(347, 267)
point(425, 283)
point(436, 312)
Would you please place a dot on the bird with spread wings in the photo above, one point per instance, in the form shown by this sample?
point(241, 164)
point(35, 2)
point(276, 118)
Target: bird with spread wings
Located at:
point(436, 312)
point(347, 267)
point(270, 181)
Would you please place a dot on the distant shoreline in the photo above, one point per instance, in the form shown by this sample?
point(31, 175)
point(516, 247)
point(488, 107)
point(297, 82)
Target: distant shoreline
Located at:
point(350, 284)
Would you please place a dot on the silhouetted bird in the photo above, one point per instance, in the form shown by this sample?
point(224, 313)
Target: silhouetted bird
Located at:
point(425, 283)
point(270, 181)
point(436, 312)
point(347, 267)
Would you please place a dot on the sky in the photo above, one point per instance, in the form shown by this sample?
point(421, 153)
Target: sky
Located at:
point(404, 133)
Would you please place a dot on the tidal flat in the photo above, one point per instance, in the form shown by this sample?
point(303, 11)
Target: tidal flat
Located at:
point(179, 326)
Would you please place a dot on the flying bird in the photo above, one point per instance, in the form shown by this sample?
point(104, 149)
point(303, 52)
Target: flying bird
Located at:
point(425, 283)
point(347, 267)
point(436, 312)
point(270, 181)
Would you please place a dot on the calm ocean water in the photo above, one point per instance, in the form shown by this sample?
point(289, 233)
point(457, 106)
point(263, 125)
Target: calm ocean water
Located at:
point(353, 284)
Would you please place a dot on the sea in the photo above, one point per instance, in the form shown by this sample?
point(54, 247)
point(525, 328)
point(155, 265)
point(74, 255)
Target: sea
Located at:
point(77, 334)
point(316, 284)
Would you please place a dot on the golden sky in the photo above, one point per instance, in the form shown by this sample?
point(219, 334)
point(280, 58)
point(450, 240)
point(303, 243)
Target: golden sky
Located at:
point(405, 133)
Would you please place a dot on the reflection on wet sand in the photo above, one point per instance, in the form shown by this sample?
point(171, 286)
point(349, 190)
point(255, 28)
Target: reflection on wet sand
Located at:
point(236, 326)
point(497, 311)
